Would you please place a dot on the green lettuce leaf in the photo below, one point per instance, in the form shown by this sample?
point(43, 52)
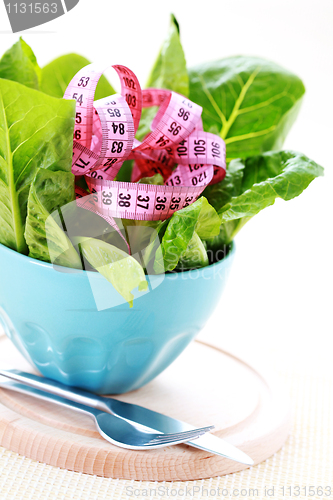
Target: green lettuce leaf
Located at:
point(180, 231)
point(46, 240)
point(228, 231)
point(283, 174)
point(156, 179)
point(250, 102)
point(195, 255)
point(121, 270)
point(58, 73)
point(36, 131)
point(168, 72)
point(208, 222)
point(19, 64)
point(125, 171)
point(254, 184)
point(220, 193)
point(152, 253)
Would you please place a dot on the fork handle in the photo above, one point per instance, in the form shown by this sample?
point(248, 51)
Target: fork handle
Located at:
point(51, 386)
point(45, 396)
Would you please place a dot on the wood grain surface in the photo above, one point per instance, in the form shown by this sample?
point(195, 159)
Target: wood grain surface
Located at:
point(204, 386)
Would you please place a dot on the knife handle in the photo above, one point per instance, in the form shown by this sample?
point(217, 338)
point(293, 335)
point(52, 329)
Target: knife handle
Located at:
point(57, 389)
point(45, 396)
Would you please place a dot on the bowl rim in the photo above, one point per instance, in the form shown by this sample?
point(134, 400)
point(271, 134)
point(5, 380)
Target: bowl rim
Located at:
point(47, 265)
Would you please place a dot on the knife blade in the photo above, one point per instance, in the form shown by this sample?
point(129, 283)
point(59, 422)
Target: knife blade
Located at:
point(149, 419)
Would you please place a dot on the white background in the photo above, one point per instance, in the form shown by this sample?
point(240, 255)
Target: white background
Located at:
point(278, 301)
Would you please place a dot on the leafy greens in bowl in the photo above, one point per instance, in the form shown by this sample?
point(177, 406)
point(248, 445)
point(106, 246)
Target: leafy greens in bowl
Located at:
point(250, 102)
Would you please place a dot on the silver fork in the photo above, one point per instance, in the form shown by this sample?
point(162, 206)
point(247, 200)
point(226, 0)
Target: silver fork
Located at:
point(114, 429)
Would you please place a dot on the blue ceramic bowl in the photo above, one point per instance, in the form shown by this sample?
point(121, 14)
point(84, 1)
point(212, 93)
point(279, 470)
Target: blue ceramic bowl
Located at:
point(53, 319)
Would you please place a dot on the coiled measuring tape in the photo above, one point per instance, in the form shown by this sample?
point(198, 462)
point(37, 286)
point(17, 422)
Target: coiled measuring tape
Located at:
point(177, 147)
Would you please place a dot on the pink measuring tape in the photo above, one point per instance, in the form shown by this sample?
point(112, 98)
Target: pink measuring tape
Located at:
point(178, 148)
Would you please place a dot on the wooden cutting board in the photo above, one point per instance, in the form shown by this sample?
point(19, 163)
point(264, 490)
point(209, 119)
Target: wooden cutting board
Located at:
point(204, 386)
